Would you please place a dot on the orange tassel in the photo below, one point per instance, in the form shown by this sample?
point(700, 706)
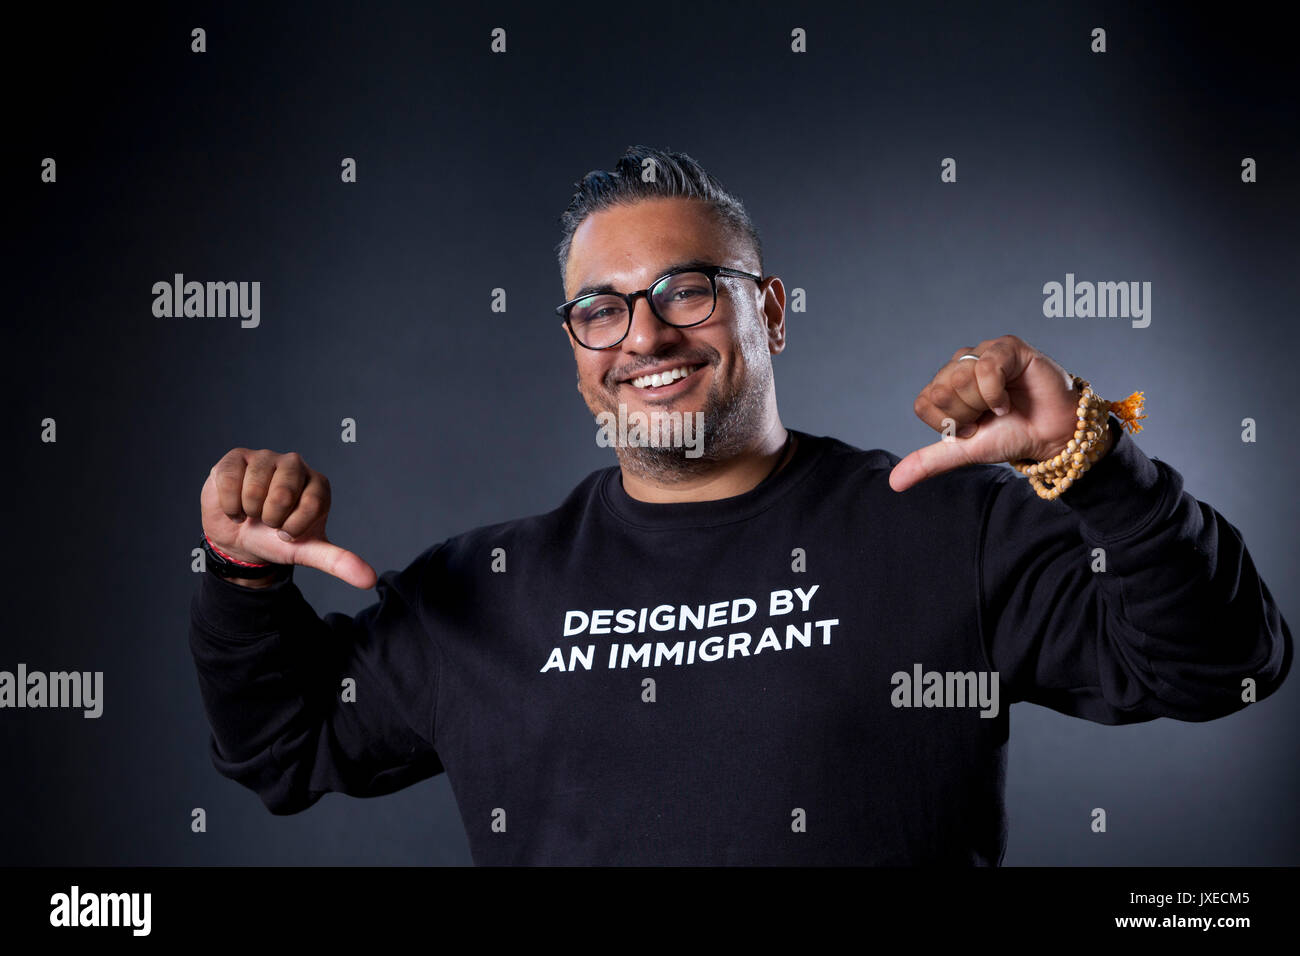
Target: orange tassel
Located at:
point(1127, 411)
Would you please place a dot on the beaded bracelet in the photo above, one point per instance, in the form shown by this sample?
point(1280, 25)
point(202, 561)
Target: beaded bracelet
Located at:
point(1054, 475)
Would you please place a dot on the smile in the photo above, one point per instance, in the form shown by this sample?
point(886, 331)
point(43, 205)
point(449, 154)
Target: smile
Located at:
point(663, 378)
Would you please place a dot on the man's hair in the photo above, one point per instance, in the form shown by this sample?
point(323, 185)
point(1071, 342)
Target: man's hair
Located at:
point(675, 175)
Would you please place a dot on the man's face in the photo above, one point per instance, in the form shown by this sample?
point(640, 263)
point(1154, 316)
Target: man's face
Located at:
point(628, 247)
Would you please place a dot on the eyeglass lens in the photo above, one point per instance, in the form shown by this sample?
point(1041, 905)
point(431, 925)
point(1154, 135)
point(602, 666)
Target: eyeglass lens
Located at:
point(686, 298)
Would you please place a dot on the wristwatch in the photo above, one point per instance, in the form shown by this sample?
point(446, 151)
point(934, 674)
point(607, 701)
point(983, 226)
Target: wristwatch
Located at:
point(224, 566)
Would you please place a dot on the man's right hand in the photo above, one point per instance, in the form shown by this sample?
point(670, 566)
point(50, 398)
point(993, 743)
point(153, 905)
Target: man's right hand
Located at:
point(253, 500)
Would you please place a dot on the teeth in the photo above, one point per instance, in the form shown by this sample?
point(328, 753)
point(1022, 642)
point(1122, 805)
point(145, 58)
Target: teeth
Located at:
point(663, 378)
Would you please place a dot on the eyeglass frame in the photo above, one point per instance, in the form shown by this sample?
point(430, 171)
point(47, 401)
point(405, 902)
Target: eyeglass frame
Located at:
point(630, 298)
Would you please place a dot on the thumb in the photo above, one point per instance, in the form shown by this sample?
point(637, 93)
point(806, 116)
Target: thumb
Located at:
point(330, 558)
point(928, 461)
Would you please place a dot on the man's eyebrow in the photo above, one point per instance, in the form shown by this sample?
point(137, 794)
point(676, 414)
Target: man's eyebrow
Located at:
point(592, 288)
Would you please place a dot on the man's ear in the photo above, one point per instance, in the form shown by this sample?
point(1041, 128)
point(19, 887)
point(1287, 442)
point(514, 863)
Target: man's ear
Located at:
point(774, 314)
point(573, 344)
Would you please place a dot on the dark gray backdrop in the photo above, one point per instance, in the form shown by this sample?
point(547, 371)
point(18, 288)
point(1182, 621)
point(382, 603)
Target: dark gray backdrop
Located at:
point(375, 305)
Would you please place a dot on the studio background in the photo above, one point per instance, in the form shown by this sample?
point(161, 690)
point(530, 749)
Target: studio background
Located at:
point(376, 305)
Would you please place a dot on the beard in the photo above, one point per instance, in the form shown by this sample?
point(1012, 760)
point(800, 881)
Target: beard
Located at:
point(733, 417)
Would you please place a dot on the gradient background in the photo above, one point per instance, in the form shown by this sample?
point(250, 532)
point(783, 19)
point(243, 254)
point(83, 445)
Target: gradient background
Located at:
point(375, 305)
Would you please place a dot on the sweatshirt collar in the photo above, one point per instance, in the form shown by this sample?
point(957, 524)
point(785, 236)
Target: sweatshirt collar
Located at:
point(703, 514)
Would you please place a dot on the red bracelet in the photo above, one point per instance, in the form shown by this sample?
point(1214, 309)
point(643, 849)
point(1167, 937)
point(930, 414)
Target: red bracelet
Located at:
point(242, 564)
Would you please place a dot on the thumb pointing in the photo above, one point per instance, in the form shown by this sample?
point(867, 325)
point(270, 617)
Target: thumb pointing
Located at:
point(341, 563)
point(928, 461)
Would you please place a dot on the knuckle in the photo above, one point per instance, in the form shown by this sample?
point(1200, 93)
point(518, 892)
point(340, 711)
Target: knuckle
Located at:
point(280, 497)
point(254, 489)
point(302, 507)
point(302, 519)
point(310, 510)
point(313, 498)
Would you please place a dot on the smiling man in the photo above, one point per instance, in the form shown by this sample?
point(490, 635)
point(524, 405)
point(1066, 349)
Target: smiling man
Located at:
point(698, 340)
point(783, 649)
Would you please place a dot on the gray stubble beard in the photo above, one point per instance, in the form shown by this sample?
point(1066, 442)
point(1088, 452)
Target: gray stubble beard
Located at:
point(730, 428)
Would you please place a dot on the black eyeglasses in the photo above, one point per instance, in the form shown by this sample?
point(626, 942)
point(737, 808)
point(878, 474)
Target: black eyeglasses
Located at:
point(681, 298)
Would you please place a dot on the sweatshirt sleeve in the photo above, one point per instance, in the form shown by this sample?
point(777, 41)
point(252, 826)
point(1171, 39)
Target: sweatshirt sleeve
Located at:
point(1171, 627)
point(272, 676)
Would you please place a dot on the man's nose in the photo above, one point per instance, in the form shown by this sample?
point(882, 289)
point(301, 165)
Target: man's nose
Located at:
point(647, 334)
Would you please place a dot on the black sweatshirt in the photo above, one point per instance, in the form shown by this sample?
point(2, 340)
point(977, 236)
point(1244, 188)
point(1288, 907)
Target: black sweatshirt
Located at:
point(801, 674)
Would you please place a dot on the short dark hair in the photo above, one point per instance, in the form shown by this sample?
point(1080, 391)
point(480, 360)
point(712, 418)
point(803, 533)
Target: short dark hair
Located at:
point(676, 175)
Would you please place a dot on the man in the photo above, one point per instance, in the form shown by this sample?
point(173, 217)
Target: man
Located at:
point(780, 650)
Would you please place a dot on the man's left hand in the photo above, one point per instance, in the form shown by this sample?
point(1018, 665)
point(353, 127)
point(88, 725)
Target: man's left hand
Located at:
point(963, 400)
